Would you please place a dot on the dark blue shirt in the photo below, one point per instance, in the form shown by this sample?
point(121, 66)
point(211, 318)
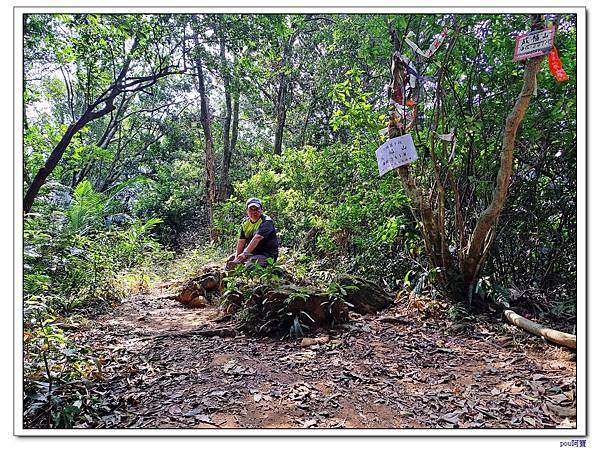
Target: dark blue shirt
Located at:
point(264, 226)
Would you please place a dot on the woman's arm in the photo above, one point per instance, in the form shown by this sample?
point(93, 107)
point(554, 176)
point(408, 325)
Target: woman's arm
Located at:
point(253, 243)
point(240, 247)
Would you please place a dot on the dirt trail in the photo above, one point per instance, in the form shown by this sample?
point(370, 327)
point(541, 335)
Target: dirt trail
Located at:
point(371, 374)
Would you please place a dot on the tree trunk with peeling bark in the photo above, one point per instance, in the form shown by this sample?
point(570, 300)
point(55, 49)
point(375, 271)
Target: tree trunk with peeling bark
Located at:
point(459, 271)
point(485, 229)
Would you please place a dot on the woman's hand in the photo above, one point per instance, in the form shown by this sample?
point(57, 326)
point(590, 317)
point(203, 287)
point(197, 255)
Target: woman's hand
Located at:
point(240, 258)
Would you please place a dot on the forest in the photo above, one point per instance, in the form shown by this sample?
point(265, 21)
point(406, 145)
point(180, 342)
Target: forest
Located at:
point(435, 291)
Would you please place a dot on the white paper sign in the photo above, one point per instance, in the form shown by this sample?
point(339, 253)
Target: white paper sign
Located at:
point(536, 43)
point(396, 152)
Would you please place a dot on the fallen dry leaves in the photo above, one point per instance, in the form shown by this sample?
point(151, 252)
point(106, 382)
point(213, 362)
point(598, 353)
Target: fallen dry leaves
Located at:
point(387, 371)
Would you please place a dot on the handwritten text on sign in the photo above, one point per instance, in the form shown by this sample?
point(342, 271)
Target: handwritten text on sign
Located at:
point(536, 43)
point(396, 152)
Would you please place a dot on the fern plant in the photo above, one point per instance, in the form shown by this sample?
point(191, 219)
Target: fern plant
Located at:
point(86, 210)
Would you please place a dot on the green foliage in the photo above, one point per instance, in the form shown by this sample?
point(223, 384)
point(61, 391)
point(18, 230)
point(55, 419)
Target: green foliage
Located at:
point(337, 293)
point(254, 275)
point(238, 296)
point(356, 109)
point(134, 245)
point(175, 193)
point(55, 370)
point(330, 201)
point(72, 263)
point(459, 312)
point(72, 258)
point(245, 286)
point(86, 210)
point(145, 163)
point(564, 307)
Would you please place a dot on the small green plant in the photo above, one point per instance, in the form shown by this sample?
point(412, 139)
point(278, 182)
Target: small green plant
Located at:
point(337, 295)
point(562, 308)
point(426, 281)
point(233, 293)
point(458, 312)
point(406, 284)
point(485, 289)
point(269, 274)
point(297, 324)
point(256, 274)
point(296, 328)
point(301, 294)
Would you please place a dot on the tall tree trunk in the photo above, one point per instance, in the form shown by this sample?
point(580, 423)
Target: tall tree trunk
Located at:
point(309, 114)
point(231, 114)
point(235, 127)
point(225, 189)
point(282, 94)
point(209, 144)
point(431, 229)
point(485, 229)
point(281, 112)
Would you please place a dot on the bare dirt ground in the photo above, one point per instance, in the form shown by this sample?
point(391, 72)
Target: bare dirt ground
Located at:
point(383, 371)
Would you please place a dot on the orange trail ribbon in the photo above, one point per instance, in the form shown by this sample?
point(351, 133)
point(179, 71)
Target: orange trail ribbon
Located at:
point(556, 66)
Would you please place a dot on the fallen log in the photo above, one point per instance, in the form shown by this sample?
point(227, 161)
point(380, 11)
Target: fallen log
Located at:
point(557, 337)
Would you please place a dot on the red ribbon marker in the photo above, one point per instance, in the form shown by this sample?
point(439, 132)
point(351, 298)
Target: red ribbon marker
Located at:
point(556, 66)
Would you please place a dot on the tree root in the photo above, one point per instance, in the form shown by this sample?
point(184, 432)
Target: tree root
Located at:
point(210, 332)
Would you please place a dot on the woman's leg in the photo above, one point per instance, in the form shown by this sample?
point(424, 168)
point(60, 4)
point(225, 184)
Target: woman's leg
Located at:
point(257, 259)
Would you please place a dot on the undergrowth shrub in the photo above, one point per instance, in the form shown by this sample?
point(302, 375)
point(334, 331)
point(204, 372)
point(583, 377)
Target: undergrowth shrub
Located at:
point(56, 372)
point(74, 260)
point(281, 298)
point(331, 204)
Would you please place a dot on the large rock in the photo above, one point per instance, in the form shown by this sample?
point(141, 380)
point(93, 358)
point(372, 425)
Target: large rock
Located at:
point(365, 296)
